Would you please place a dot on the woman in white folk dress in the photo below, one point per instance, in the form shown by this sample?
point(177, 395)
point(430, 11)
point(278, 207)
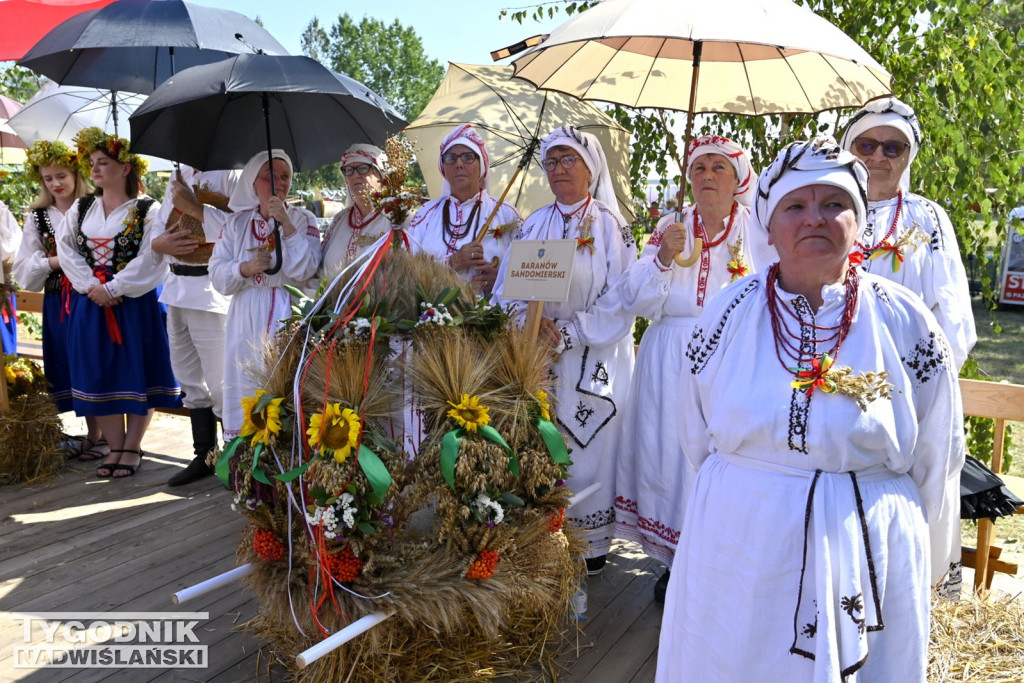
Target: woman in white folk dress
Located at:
point(653, 477)
point(824, 420)
point(447, 226)
point(591, 332)
point(239, 267)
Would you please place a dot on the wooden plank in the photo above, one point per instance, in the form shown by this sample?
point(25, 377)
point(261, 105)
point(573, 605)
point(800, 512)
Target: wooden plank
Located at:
point(993, 399)
point(29, 302)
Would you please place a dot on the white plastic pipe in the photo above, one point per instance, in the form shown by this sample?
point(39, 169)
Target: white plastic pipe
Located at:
point(333, 642)
point(585, 493)
point(211, 584)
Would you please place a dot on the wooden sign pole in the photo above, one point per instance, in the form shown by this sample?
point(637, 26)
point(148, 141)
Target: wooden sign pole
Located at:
point(533, 315)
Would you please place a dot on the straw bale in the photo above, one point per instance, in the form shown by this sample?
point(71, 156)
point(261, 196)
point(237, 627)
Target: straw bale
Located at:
point(30, 436)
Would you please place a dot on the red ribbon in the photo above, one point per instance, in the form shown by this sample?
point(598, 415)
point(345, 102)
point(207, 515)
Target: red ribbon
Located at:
point(112, 328)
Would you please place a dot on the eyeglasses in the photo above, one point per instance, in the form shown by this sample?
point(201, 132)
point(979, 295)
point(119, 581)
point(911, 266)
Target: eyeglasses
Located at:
point(865, 147)
point(449, 158)
point(567, 162)
point(361, 169)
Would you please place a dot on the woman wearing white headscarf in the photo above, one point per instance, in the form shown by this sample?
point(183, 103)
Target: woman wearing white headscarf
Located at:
point(446, 226)
point(824, 450)
point(239, 264)
point(358, 226)
point(591, 331)
point(653, 477)
point(907, 238)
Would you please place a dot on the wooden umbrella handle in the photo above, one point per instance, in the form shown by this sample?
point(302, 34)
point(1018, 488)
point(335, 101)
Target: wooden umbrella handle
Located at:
point(686, 261)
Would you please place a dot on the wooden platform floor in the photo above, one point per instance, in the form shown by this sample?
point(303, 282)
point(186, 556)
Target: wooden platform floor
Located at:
point(79, 543)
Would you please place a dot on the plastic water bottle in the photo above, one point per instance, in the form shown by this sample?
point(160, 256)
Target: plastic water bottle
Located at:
point(579, 602)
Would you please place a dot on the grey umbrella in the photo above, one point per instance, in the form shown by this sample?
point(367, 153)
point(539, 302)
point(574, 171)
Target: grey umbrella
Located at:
point(134, 45)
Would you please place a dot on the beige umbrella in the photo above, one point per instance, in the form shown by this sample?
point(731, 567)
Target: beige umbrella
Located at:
point(512, 116)
point(751, 57)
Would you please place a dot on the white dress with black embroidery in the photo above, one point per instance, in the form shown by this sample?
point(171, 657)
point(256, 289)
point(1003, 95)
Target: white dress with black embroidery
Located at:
point(653, 477)
point(259, 303)
point(805, 544)
point(593, 371)
point(933, 269)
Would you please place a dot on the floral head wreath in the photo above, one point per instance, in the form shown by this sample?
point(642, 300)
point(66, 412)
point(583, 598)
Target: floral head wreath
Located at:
point(91, 139)
point(47, 153)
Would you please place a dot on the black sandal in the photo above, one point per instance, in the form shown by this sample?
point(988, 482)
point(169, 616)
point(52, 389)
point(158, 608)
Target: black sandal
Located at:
point(130, 469)
point(110, 467)
point(93, 452)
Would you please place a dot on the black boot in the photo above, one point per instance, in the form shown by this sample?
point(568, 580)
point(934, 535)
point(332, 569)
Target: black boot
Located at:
point(204, 440)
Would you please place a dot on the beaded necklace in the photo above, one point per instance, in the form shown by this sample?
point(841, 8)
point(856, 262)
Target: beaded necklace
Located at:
point(705, 254)
point(811, 366)
point(452, 235)
point(580, 211)
point(868, 251)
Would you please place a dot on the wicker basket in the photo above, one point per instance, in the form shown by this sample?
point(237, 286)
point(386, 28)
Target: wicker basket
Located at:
point(201, 256)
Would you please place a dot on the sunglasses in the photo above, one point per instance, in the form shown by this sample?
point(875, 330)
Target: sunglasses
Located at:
point(892, 149)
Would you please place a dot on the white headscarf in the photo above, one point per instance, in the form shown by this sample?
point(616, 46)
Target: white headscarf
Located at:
point(364, 154)
point(892, 112)
point(590, 150)
point(819, 161)
point(244, 196)
point(465, 135)
point(737, 156)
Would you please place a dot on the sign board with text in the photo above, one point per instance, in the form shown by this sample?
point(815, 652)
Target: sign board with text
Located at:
point(538, 270)
point(1011, 289)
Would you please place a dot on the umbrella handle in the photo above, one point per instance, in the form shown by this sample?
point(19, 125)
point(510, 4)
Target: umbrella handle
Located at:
point(273, 270)
point(494, 212)
point(698, 245)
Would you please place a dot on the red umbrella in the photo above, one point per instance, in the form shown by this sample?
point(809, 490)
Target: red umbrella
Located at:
point(24, 22)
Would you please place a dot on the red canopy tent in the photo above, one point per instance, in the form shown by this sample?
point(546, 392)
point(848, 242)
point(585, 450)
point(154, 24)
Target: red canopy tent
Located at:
point(24, 22)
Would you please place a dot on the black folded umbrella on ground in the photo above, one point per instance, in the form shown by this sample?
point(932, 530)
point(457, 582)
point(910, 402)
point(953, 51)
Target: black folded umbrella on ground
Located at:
point(983, 494)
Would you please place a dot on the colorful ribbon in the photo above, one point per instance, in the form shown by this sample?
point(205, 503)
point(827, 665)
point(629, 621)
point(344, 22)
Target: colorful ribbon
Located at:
point(585, 243)
point(888, 248)
point(815, 378)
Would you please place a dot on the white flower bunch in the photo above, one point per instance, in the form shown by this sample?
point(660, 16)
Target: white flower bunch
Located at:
point(488, 509)
point(357, 329)
point(348, 510)
point(325, 517)
point(434, 315)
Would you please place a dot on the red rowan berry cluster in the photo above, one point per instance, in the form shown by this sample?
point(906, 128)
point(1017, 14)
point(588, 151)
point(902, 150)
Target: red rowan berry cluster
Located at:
point(267, 545)
point(483, 566)
point(343, 566)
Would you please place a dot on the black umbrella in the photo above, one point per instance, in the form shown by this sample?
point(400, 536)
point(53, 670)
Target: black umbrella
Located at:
point(218, 115)
point(135, 45)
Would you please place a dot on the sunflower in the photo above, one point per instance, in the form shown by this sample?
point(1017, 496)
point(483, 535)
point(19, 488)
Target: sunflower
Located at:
point(469, 413)
point(261, 424)
point(543, 405)
point(335, 430)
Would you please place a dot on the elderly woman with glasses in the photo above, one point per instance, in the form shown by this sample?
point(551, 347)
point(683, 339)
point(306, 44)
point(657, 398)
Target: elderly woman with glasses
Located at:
point(591, 332)
point(907, 238)
point(358, 226)
point(653, 476)
point(823, 418)
point(450, 226)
